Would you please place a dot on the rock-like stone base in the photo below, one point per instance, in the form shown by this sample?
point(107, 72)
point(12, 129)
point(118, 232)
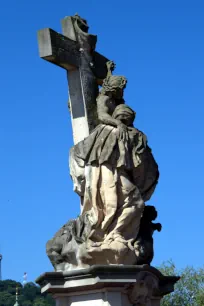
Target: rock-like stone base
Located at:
point(108, 286)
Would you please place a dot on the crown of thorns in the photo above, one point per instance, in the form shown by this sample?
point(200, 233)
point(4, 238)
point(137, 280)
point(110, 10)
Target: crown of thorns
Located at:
point(113, 82)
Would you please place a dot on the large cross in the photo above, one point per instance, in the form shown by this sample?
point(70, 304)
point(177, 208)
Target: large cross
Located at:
point(75, 52)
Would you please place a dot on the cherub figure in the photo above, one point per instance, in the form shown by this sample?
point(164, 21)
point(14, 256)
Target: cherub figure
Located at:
point(144, 242)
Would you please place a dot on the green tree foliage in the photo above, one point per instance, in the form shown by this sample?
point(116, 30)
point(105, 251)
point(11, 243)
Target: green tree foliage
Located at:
point(6, 299)
point(29, 295)
point(189, 290)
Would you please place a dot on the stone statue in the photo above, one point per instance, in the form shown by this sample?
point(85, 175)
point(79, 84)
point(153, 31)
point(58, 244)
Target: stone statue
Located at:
point(114, 172)
point(144, 242)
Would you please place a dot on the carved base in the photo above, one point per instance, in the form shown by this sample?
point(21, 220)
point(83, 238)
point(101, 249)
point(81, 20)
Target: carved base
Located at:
point(108, 286)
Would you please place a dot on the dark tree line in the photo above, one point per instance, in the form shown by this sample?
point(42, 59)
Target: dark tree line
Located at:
point(29, 295)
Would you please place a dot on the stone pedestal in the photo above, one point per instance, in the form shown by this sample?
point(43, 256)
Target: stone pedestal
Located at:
point(108, 286)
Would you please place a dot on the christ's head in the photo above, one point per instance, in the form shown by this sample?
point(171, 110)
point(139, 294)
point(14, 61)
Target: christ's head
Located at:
point(114, 86)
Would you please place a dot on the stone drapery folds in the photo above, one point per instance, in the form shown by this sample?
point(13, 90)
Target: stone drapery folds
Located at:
point(114, 176)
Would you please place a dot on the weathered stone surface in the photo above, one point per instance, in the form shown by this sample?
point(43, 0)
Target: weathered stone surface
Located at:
point(144, 243)
point(102, 258)
point(75, 52)
point(108, 285)
point(108, 173)
point(112, 166)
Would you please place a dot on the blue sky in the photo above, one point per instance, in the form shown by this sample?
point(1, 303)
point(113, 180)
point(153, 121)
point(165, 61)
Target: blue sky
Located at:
point(159, 47)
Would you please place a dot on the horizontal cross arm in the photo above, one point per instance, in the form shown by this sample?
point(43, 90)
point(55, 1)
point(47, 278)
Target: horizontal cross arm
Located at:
point(58, 49)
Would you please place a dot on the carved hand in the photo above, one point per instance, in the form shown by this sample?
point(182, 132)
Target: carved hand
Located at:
point(110, 66)
point(122, 128)
point(158, 227)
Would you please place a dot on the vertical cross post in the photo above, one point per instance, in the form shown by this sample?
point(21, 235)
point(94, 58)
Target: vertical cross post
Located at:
point(75, 52)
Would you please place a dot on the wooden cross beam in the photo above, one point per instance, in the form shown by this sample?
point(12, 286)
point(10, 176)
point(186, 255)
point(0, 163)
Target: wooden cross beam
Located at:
point(75, 52)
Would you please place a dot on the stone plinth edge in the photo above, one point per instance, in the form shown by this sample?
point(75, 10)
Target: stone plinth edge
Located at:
point(142, 285)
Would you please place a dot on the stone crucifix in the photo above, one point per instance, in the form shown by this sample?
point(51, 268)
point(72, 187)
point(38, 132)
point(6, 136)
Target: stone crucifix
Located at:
point(75, 52)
